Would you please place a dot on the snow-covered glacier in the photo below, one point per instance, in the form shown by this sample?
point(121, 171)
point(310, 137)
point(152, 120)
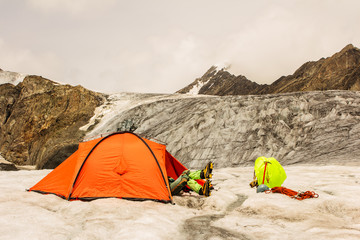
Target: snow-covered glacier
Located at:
point(233, 211)
point(306, 127)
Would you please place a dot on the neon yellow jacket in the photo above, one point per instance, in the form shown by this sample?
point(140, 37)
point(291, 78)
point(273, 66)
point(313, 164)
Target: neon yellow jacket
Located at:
point(274, 173)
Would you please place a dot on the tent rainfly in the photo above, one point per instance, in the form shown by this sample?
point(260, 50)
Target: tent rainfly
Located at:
point(121, 165)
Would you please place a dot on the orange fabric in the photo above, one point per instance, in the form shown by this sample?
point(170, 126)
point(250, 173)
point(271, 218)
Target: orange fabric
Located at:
point(120, 165)
point(113, 170)
point(59, 181)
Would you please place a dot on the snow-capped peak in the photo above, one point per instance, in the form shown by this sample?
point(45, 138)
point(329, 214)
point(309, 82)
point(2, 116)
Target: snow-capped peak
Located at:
point(222, 66)
point(11, 77)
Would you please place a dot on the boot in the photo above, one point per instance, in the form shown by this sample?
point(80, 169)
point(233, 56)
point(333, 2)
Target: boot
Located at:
point(206, 188)
point(206, 173)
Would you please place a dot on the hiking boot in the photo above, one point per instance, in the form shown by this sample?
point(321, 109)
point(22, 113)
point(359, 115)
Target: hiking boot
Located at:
point(211, 186)
point(254, 184)
point(205, 190)
point(206, 173)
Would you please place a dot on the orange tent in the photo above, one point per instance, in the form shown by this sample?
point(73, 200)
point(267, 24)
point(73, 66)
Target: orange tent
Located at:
point(121, 165)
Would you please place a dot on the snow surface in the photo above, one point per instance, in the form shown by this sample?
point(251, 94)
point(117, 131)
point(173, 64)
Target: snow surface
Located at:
point(196, 88)
point(11, 77)
point(233, 211)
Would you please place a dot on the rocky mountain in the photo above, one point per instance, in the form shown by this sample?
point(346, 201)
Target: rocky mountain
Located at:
point(40, 120)
point(338, 72)
point(220, 82)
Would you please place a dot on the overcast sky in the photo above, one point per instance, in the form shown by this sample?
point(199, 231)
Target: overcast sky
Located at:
point(160, 46)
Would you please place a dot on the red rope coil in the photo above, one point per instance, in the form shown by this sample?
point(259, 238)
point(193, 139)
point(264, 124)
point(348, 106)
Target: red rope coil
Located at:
point(293, 194)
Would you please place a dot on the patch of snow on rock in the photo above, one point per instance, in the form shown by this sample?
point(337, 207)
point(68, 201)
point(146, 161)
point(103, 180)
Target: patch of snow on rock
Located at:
point(222, 66)
point(11, 77)
point(196, 88)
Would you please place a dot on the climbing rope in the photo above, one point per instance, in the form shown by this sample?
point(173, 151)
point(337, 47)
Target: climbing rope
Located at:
point(293, 194)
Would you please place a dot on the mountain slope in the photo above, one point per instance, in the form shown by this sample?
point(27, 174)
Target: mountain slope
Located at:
point(40, 120)
point(220, 82)
point(338, 72)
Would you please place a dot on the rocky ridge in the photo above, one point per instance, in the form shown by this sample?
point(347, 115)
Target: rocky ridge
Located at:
point(338, 72)
point(220, 82)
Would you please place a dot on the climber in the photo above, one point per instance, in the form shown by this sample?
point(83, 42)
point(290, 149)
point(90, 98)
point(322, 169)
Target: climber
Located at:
point(188, 178)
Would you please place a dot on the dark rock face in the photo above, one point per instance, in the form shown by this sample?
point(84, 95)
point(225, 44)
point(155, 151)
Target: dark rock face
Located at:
point(40, 120)
point(8, 95)
point(221, 83)
point(7, 167)
point(338, 72)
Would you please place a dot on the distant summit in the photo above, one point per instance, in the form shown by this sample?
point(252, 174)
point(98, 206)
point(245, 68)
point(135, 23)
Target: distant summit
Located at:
point(338, 72)
point(217, 81)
